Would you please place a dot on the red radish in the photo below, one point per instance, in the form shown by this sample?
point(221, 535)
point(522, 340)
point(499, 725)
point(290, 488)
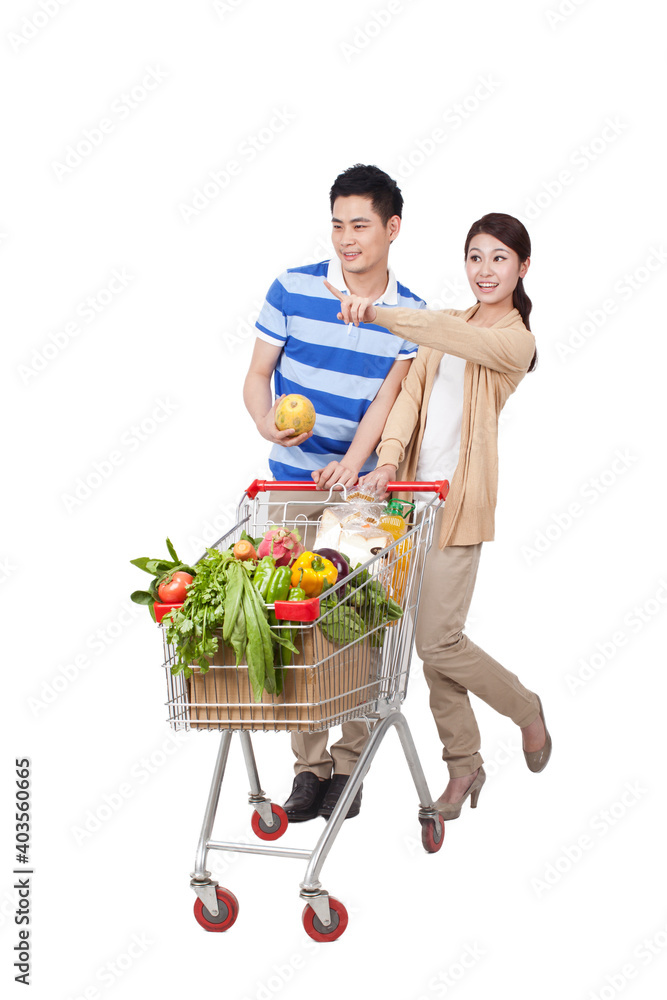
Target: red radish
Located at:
point(282, 544)
point(244, 550)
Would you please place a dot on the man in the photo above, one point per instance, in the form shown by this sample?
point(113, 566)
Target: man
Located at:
point(352, 377)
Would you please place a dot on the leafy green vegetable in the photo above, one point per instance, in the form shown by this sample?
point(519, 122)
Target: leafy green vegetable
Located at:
point(360, 609)
point(233, 599)
point(172, 552)
point(343, 625)
point(222, 599)
point(159, 569)
point(141, 597)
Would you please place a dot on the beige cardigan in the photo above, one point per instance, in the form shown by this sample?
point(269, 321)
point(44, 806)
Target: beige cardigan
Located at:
point(497, 359)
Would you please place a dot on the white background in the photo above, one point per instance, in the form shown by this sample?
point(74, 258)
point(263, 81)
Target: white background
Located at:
point(550, 887)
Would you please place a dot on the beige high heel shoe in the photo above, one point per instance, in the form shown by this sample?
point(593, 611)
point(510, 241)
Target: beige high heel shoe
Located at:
point(452, 810)
point(537, 760)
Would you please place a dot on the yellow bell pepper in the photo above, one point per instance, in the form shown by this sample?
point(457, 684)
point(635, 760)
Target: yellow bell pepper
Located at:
point(310, 572)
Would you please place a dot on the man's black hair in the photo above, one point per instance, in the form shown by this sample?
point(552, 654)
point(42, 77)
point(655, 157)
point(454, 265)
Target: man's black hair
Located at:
point(370, 182)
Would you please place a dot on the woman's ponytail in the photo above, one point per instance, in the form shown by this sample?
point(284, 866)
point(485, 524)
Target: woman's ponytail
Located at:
point(521, 302)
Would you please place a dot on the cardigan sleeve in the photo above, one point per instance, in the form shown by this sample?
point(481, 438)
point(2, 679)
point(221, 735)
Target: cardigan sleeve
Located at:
point(404, 414)
point(502, 348)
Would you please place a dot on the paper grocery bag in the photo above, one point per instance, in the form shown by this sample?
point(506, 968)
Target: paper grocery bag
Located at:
point(324, 684)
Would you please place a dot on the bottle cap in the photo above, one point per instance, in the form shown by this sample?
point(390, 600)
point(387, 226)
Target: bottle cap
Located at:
point(396, 507)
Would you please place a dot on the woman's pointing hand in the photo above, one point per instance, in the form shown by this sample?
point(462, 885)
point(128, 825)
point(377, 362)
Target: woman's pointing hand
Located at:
point(353, 308)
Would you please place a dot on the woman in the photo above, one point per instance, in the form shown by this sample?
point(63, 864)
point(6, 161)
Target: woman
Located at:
point(444, 425)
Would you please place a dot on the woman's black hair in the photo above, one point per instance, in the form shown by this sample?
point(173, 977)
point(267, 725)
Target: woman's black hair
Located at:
point(514, 235)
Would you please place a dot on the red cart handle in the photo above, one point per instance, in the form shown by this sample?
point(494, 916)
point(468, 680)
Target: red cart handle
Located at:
point(267, 485)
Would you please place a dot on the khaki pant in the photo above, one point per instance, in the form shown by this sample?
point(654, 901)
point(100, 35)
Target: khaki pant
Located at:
point(310, 749)
point(311, 752)
point(453, 665)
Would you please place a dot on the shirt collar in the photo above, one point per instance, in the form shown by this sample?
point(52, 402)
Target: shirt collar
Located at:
point(335, 277)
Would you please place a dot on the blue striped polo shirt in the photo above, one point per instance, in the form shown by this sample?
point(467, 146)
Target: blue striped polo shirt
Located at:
point(340, 368)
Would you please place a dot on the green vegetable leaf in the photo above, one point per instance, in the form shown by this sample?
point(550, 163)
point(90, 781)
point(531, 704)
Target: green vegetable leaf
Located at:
point(158, 566)
point(142, 563)
point(256, 617)
point(172, 552)
point(283, 639)
point(233, 600)
point(238, 639)
point(142, 597)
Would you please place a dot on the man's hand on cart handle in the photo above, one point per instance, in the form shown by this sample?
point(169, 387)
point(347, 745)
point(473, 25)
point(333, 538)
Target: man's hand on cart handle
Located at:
point(267, 428)
point(377, 480)
point(335, 473)
point(353, 308)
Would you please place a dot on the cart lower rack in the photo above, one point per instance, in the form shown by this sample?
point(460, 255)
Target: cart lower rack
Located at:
point(338, 673)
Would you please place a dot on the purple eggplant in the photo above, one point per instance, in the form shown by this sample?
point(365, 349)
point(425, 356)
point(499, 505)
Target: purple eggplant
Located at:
point(338, 561)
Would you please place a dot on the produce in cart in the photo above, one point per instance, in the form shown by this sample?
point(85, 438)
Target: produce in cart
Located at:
point(229, 597)
point(220, 600)
point(312, 571)
point(362, 607)
point(223, 603)
point(171, 578)
point(281, 543)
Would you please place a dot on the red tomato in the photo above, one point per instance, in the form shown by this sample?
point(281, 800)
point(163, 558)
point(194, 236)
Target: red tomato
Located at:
point(172, 589)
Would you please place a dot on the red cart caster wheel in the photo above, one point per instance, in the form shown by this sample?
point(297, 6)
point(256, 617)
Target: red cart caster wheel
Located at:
point(433, 834)
point(228, 906)
point(316, 929)
point(265, 832)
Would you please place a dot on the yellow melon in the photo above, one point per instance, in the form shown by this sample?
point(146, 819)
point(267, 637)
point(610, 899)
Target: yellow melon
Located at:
point(297, 412)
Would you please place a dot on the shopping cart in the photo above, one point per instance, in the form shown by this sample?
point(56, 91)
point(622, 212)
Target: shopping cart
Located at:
point(346, 668)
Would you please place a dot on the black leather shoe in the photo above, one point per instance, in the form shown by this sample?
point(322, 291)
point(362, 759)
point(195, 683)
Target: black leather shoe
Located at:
point(308, 791)
point(336, 786)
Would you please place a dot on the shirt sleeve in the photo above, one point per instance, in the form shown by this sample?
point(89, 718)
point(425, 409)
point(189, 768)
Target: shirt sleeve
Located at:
point(272, 321)
point(501, 348)
point(404, 415)
point(408, 350)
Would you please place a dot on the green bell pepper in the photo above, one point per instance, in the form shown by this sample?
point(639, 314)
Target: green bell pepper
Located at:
point(279, 585)
point(262, 576)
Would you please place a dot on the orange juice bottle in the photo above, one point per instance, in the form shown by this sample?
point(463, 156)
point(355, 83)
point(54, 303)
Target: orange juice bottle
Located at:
point(394, 523)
